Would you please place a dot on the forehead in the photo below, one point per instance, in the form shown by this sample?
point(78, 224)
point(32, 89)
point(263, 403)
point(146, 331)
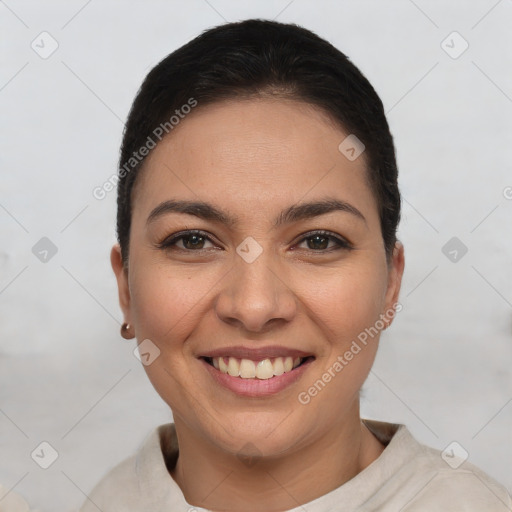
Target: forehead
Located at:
point(245, 154)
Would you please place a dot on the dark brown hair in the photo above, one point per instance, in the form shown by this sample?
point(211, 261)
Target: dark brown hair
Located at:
point(254, 58)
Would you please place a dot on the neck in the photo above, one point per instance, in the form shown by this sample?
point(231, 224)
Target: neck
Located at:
point(213, 479)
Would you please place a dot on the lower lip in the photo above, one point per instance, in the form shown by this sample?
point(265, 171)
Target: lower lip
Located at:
point(257, 387)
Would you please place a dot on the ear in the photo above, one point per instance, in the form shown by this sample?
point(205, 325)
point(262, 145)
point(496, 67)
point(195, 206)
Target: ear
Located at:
point(395, 272)
point(121, 273)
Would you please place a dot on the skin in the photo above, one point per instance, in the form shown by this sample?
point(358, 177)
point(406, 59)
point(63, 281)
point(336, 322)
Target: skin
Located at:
point(252, 159)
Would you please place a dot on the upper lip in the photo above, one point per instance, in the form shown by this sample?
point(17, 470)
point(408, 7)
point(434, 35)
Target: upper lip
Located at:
point(256, 354)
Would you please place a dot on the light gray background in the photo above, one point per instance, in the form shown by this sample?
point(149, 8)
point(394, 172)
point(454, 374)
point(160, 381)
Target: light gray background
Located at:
point(68, 378)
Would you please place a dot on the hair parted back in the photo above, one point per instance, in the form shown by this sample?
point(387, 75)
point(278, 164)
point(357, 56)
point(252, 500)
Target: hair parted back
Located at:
point(260, 58)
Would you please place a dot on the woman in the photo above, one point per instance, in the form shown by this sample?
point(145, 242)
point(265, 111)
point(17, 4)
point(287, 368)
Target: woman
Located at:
point(257, 265)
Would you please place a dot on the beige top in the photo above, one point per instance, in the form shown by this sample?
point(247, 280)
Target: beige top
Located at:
point(406, 477)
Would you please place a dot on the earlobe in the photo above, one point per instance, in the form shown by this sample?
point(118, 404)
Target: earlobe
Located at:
point(121, 274)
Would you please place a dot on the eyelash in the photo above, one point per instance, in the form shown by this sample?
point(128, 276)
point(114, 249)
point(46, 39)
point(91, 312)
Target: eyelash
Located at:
point(341, 244)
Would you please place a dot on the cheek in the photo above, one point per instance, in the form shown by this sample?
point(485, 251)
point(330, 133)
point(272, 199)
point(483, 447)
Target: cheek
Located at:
point(345, 308)
point(166, 306)
point(345, 301)
point(165, 301)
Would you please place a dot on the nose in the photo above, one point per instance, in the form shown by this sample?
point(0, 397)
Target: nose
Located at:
point(255, 297)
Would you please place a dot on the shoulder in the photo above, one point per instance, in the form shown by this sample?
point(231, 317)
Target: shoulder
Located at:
point(116, 490)
point(456, 484)
point(415, 477)
point(134, 482)
point(451, 483)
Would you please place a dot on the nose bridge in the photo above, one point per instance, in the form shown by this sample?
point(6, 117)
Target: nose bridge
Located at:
point(256, 281)
point(254, 294)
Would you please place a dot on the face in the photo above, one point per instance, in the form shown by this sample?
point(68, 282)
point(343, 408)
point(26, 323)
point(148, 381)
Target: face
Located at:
point(254, 238)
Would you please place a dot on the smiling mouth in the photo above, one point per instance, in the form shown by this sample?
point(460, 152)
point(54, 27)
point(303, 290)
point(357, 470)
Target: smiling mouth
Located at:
point(264, 369)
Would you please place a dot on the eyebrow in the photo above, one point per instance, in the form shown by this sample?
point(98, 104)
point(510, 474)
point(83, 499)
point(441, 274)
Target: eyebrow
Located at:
point(199, 209)
point(294, 213)
point(313, 209)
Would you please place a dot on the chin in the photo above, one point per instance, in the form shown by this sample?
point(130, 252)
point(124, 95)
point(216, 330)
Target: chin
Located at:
point(265, 434)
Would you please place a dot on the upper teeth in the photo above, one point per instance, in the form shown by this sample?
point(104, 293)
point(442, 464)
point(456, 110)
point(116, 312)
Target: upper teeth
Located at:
point(248, 369)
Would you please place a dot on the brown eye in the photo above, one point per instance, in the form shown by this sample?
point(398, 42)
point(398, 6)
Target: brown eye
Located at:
point(193, 241)
point(323, 242)
point(318, 242)
point(187, 241)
